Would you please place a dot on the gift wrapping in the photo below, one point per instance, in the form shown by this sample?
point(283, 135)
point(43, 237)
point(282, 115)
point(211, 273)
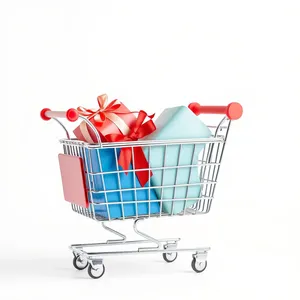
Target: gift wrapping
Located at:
point(176, 123)
point(109, 118)
point(138, 130)
point(116, 123)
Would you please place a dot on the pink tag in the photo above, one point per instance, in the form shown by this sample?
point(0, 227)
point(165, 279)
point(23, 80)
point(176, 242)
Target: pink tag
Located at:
point(73, 179)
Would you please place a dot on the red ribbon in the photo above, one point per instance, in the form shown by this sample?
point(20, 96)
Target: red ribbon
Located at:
point(137, 131)
point(105, 109)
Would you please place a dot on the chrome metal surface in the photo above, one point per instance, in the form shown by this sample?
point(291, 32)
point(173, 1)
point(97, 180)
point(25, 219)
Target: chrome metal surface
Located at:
point(207, 166)
point(123, 237)
point(168, 245)
point(90, 124)
point(63, 126)
point(146, 236)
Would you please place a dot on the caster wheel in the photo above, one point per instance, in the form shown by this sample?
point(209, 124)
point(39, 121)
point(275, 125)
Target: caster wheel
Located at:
point(198, 266)
point(96, 273)
point(79, 262)
point(170, 257)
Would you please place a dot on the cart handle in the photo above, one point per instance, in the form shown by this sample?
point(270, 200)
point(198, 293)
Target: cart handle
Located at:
point(233, 110)
point(71, 114)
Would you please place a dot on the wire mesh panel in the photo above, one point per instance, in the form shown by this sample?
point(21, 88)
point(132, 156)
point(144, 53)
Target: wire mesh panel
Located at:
point(143, 179)
point(183, 176)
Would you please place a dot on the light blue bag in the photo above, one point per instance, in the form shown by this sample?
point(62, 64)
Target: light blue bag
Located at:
point(176, 123)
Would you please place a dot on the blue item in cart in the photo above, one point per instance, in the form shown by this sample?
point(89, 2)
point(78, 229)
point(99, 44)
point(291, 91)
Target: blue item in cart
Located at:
point(111, 182)
point(176, 123)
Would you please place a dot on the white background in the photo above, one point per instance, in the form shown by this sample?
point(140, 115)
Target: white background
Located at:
point(151, 55)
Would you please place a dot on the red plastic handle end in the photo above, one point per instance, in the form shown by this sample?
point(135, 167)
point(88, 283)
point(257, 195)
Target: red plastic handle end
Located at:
point(72, 115)
point(43, 114)
point(234, 111)
point(195, 108)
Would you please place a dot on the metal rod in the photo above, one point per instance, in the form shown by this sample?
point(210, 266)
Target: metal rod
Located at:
point(189, 179)
point(134, 183)
point(157, 168)
point(156, 187)
point(123, 237)
point(176, 179)
point(146, 236)
point(119, 182)
point(143, 143)
point(199, 251)
point(63, 126)
point(90, 124)
point(90, 245)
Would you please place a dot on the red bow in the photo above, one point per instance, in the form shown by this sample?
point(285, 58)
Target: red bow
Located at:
point(106, 111)
point(137, 131)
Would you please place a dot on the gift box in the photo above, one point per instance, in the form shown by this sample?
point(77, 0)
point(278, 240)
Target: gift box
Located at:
point(109, 118)
point(110, 188)
point(176, 123)
point(104, 187)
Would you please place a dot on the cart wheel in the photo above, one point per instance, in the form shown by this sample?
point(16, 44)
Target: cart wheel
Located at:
point(79, 262)
point(96, 273)
point(198, 266)
point(170, 257)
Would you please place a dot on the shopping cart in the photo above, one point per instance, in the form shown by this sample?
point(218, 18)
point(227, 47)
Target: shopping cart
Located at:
point(83, 185)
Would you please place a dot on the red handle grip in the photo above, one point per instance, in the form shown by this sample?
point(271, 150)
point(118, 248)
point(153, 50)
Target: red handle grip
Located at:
point(71, 114)
point(233, 110)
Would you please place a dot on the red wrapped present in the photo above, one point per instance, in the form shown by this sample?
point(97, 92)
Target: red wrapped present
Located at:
point(135, 155)
point(110, 118)
point(115, 122)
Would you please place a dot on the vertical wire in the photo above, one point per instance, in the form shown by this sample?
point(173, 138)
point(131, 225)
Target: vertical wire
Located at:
point(209, 179)
point(134, 182)
point(201, 176)
point(149, 182)
point(83, 209)
point(203, 171)
point(202, 161)
point(207, 167)
point(73, 149)
point(67, 148)
point(222, 152)
point(88, 209)
point(214, 169)
point(162, 179)
point(103, 181)
point(119, 183)
point(91, 179)
point(88, 180)
point(176, 175)
point(190, 172)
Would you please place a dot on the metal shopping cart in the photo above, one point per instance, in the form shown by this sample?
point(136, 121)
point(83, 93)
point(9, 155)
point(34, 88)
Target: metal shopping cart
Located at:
point(85, 186)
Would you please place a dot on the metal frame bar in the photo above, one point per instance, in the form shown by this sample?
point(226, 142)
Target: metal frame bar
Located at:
point(167, 245)
point(208, 167)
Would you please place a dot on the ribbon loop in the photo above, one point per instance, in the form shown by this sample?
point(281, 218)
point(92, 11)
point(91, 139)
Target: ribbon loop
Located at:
point(135, 155)
point(105, 111)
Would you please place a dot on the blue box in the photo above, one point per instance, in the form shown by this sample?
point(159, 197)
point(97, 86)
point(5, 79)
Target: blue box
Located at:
point(177, 123)
point(107, 157)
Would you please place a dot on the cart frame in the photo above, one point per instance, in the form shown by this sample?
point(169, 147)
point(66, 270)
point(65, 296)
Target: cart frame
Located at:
point(208, 165)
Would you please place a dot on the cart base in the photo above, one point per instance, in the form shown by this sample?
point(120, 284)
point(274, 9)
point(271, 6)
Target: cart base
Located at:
point(167, 247)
